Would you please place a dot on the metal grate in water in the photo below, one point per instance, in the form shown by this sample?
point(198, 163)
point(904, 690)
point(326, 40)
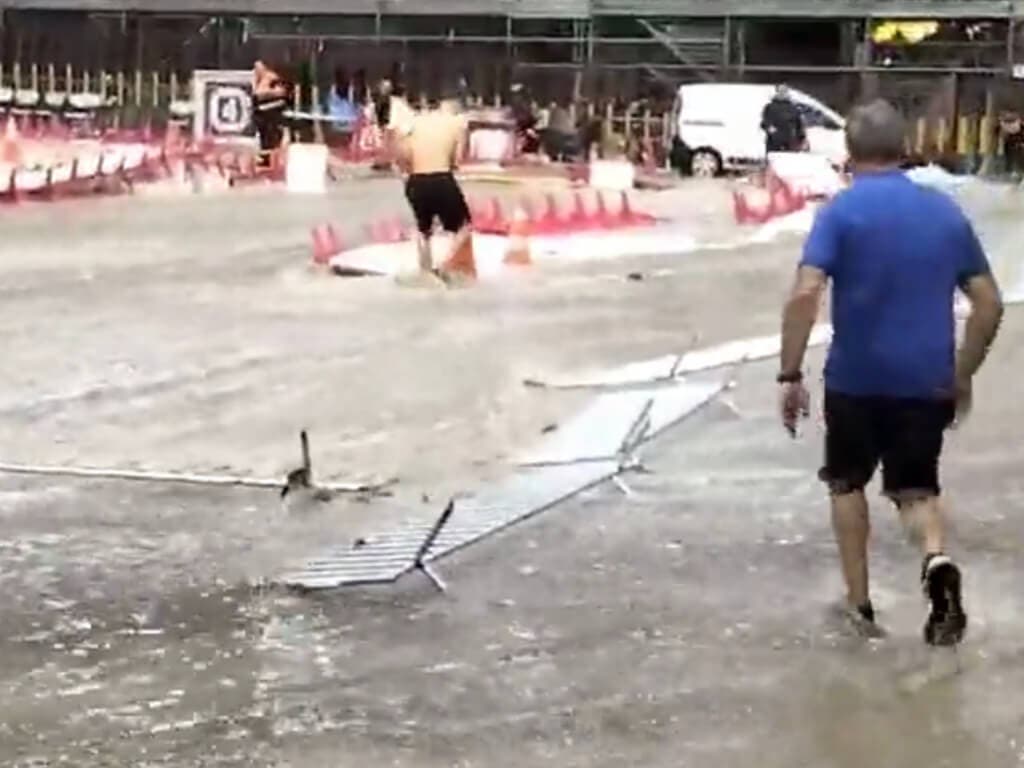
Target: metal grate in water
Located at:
point(383, 559)
point(609, 430)
point(599, 430)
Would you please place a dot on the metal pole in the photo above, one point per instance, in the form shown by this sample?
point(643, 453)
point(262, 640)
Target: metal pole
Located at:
point(727, 44)
point(741, 44)
point(1011, 35)
point(419, 562)
point(866, 58)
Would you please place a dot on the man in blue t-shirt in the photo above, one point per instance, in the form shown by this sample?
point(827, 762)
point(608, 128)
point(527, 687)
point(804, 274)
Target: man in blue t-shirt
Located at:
point(895, 252)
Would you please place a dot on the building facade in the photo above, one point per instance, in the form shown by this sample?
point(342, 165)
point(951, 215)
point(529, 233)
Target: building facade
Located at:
point(559, 48)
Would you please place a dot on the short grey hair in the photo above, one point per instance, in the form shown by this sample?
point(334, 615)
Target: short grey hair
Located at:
point(876, 133)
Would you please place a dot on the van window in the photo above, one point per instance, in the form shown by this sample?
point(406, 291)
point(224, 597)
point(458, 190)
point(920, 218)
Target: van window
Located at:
point(815, 118)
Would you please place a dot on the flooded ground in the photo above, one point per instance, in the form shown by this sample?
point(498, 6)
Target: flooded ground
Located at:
point(690, 624)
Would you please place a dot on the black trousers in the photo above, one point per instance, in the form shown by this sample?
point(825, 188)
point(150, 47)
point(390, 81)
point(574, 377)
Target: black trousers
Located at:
point(268, 117)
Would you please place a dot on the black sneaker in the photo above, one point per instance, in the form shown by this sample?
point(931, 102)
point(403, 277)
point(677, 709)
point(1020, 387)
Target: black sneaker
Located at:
point(947, 622)
point(862, 620)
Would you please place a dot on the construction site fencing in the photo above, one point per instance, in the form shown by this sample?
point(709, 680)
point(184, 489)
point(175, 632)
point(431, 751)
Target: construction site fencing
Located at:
point(956, 123)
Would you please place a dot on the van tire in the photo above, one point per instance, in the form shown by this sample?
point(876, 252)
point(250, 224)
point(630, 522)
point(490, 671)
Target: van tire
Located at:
point(705, 163)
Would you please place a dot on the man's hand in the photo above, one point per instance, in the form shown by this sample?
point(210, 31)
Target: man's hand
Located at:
point(794, 404)
point(964, 399)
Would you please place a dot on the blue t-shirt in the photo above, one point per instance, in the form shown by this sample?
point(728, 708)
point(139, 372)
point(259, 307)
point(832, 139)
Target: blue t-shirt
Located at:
point(895, 252)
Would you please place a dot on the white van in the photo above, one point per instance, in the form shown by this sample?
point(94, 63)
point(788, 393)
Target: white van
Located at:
point(718, 127)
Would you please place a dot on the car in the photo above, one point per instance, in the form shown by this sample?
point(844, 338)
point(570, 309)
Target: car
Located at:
point(717, 127)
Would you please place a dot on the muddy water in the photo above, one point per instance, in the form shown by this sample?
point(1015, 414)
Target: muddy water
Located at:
point(688, 624)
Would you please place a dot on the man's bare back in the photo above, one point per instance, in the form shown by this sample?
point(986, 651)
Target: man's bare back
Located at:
point(435, 142)
point(430, 153)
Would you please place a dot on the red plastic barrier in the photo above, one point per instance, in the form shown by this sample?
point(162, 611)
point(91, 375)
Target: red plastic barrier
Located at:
point(549, 221)
point(490, 219)
point(629, 217)
point(756, 204)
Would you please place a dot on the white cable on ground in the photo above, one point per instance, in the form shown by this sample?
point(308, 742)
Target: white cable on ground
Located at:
point(185, 478)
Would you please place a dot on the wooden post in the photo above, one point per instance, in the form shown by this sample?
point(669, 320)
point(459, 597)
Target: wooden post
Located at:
point(985, 140)
point(51, 78)
point(33, 77)
point(318, 126)
point(173, 86)
point(69, 79)
point(955, 117)
point(941, 137)
point(156, 89)
point(609, 121)
point(85, 81)
point(137, 87)
point(16, 75)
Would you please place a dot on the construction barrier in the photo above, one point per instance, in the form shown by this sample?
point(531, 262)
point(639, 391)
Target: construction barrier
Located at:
point(51, 89)
point(41, 162)
point(586, 228)
point(790, 181)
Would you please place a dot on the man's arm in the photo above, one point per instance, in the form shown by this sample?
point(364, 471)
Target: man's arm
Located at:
point(820, 257)
point(982, 324)
point(460, 150)
point(980, 287)
point(798, 317)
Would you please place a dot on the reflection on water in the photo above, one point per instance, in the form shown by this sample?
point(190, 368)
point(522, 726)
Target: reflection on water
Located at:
point(683, 626)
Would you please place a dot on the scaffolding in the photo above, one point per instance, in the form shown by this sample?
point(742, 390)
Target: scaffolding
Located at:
point(559, 47)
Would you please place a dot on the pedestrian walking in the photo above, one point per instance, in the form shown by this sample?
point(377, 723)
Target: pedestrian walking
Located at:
point(895, 253)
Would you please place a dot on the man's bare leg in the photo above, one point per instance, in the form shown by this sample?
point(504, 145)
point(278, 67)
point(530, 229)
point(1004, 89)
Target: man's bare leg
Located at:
point(423, 252)
point(922, 519)
point(921, 516)
point(851, 525)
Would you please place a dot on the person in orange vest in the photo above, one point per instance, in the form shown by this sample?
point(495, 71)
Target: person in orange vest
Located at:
point(269, 101)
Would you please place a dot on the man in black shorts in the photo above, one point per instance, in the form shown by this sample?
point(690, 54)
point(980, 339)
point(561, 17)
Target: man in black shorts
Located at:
point(430, 153)
point(270, 100)
point(896, 253)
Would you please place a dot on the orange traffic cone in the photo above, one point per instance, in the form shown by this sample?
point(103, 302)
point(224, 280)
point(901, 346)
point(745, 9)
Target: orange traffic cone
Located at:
point(517, 252)
point(462, 263)
point(325, 244)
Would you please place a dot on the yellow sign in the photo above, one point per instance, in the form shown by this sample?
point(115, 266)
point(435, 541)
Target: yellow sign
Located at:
point(903, 31)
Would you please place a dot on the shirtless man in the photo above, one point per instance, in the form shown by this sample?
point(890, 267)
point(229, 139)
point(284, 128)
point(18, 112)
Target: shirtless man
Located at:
point(269, 98)
point(430, 154)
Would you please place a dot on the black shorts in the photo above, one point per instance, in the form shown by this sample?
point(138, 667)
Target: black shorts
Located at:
point(904, 434)
point(437, 195)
